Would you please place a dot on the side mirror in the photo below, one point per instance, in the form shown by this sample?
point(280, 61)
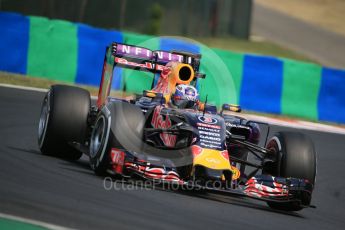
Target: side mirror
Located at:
point(207, 108)
point(212, 109)
point(231, 108)
point(151, 94)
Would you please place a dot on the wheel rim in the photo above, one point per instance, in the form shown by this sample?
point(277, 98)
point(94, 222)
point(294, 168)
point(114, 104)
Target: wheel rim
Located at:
point(43, 122)
point(97, 136)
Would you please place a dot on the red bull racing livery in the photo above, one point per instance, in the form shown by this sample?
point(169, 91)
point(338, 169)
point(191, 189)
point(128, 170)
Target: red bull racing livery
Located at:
point(198, 146)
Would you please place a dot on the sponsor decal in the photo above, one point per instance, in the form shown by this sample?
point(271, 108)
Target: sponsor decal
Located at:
point(166, 56)
point(146, 65)
point(209, 146)
point(133, 51)
point(211, 142)
point(212, 160)
point(228, 124)
point(207, 119)
point(208, 129)
point(163, 122)
point(141, 52)
point(209, 133)
point(208, 126)
point(117, 159)
point(209, 136)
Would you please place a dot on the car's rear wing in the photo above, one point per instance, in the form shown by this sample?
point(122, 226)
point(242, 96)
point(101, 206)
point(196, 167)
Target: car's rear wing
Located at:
point(143, 59)
point(140, 58)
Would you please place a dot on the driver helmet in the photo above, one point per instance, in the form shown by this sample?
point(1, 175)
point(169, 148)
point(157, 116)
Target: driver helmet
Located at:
point(185, 96)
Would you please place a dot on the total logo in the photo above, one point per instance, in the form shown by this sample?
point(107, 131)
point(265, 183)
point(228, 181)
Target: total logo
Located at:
point(207, 120)
point(212, 160)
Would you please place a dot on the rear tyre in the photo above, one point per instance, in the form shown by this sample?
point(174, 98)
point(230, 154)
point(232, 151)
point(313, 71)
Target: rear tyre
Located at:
point(63, 120)
point(118, 126)
point(295, 157)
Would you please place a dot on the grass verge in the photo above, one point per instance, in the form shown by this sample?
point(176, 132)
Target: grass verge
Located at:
point(261, 47)
point(24, 80)
point(328, 14)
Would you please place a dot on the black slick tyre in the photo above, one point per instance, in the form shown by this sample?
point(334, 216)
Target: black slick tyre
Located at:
point(63, 120)
point(295, 157)
point(118, 125)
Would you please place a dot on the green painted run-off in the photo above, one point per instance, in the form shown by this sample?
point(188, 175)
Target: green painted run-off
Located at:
point(17, 225)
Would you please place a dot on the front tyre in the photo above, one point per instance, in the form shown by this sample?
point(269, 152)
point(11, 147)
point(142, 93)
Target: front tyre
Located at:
point(118, 125)
point(295, 157)
point(100, 144)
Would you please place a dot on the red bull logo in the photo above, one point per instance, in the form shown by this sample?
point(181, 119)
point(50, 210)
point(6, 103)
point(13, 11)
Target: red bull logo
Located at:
point(163, 122)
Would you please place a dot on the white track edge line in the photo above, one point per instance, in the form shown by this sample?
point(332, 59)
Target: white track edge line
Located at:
point(33, 222)
point(24, 87)
point(31, 88)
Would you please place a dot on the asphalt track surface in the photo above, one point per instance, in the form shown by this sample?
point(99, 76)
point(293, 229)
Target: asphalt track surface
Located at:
point(69, 194)
point(321, 45)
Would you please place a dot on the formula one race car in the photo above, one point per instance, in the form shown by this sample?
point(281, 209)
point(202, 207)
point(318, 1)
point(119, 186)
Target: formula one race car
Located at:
point(197, 146)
